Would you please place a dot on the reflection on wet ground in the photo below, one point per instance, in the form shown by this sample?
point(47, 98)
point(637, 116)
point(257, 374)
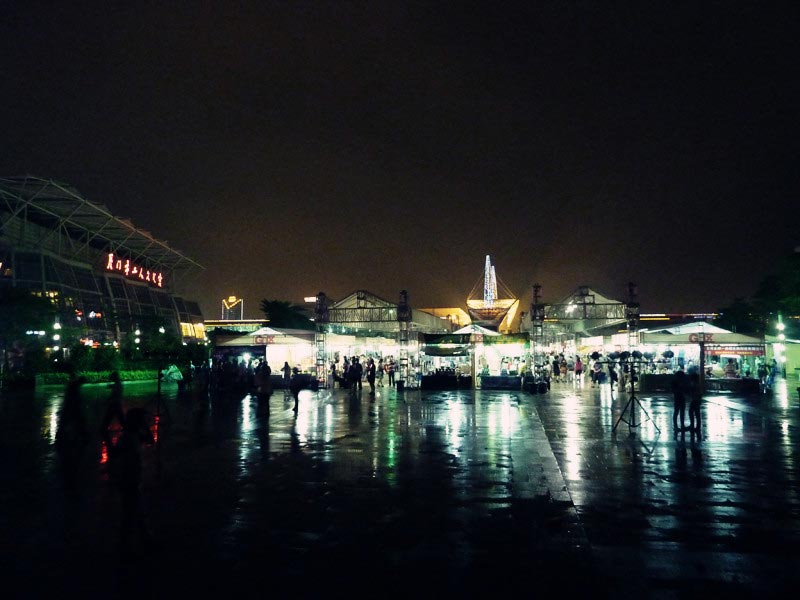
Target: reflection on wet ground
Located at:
point(470, 492)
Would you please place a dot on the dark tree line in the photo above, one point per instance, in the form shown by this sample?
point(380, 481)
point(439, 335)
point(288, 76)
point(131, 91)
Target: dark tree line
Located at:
point(778, 292)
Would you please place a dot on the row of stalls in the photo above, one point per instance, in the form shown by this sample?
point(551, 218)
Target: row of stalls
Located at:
point(475, 357)
point(463, 359)
point(730, 361)
point(422, 346)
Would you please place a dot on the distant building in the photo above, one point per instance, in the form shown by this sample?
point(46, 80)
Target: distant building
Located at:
point(232, 309)
point(106, 277)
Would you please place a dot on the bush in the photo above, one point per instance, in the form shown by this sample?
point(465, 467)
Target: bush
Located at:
point(96, 376)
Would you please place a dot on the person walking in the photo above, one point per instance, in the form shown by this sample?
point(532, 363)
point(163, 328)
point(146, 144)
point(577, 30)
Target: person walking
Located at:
point(125, 459)
point(371, 376)
point(262, 379)
point(345, 379)
point(72, 434)
point(390, 372)
point(295, 385)
point(354, 376)
point(578, 371)
point(597, 373)
point(613, 377)
point(680, 385)
point(379, 372)
point(358, 372)
point(114, 410)
point(287, 376)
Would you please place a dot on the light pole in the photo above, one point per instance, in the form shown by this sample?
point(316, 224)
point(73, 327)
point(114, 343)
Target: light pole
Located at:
point(781, 357)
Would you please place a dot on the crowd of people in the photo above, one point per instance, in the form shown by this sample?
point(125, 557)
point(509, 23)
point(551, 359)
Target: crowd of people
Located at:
point(355, 370)
point(574, 369)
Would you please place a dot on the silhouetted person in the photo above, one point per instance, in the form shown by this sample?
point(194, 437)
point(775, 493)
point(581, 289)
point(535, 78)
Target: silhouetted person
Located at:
point(114, 409)
point(371, 370)
point(612, 375)
point(696, 391)
point(126, 472)
point(354, 376)
point(680, 385)
point(287, 376)
point(262, 379)
point(295, 385)
point(358, 370)
point(72, 434)
point(390, 372)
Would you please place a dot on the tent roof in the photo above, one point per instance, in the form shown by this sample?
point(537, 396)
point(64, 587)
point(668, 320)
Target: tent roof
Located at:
point(473, 328)
point(696, 327)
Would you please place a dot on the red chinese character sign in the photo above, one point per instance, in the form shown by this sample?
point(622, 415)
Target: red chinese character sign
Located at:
point(131, 270)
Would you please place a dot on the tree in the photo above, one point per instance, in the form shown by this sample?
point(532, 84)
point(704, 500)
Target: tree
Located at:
point(21, 311)
point(285, 314)
point(742, 316)
point(780, 290)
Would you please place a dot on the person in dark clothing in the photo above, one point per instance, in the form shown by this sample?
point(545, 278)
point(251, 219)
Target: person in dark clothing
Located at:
point(287, 376)
point(295, 385)
point(354, 375)
point(359, 369)
point(556, 370)
point(371, 375)
point(126, 473)
point(72, 433)
point(262, 378)
point(613, 377)
point(114, 410)
point(680, 385)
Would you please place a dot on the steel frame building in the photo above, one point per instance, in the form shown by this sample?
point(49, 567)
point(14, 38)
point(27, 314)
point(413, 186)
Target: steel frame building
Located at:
point(104, 274)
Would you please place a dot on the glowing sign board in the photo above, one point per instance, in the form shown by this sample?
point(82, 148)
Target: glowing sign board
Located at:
point(132, 270)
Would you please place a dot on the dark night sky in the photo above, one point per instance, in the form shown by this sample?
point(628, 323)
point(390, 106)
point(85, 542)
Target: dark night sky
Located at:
point(297, 147)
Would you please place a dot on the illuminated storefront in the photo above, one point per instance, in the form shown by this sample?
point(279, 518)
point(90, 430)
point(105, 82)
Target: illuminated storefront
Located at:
point(106, 277)
point(729, 360)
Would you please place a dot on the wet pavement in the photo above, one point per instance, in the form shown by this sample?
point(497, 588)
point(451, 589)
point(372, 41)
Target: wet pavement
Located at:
point(423, 493)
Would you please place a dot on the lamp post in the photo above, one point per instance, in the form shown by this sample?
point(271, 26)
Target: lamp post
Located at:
point(781, 358)
point(56, 339)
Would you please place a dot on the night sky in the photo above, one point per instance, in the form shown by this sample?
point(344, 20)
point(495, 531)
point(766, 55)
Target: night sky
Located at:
point(298, 147)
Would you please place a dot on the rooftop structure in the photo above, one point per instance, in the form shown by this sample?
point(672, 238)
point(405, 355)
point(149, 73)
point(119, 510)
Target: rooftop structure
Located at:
point(104, 274)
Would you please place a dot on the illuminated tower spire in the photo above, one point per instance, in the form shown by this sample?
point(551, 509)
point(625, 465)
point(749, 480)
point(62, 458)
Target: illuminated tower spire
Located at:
point(489, 282)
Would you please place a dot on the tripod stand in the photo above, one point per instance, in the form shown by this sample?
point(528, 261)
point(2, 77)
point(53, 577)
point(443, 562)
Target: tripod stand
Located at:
point(630, 406)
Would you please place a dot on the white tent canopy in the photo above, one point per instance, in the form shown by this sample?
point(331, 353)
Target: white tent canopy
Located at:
point(472, 328)
point(696, 327)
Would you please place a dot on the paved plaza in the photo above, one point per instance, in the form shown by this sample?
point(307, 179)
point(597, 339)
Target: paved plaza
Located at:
point(452, 493)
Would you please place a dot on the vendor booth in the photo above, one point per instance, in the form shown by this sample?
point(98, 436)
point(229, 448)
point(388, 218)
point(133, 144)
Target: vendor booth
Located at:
point(446, 361)
point(501, 361)
point(295, 346)
point(729, 361)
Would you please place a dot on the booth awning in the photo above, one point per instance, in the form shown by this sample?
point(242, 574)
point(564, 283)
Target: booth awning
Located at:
point(445, 350)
